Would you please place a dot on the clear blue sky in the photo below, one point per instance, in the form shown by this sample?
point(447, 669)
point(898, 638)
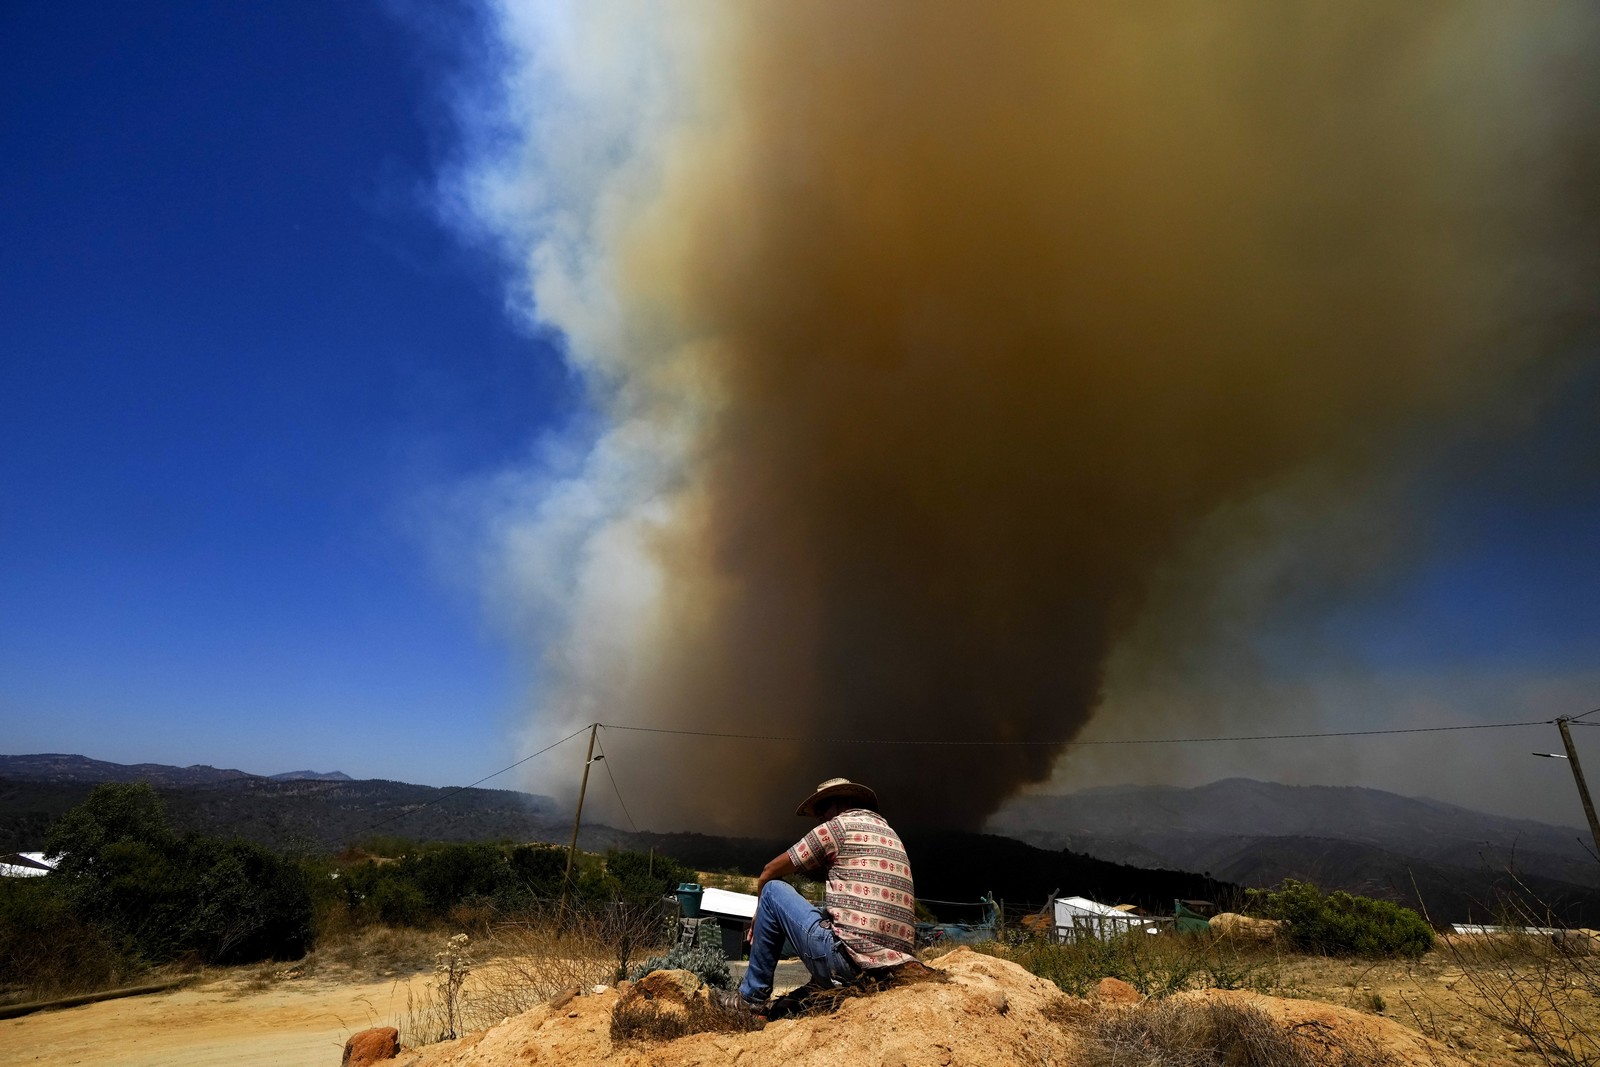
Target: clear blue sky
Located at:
point(239, 351)
point(236, 347)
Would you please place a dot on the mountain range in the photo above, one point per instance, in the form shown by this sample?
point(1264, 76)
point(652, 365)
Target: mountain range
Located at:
point(1365, 841)
point(1127, 843)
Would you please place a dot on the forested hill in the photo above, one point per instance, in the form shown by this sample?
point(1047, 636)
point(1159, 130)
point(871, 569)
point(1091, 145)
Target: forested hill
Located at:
point(319, 815)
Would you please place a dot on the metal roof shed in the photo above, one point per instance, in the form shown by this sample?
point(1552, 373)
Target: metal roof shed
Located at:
point(1079, 918)
point(24, 865)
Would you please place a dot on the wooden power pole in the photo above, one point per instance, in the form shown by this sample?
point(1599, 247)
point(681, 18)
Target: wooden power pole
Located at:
point(578, 818)
point(1577, 774)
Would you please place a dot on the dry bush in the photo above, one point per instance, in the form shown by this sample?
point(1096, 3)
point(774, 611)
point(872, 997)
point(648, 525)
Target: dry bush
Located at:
point(1541, 988)
point(1211, 1033)
point(525, 963)
point(375, 952)
point(643, 1020)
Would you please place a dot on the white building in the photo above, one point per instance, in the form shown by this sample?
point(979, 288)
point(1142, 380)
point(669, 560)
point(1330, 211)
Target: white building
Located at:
point(24, 865)
point(1078, 918)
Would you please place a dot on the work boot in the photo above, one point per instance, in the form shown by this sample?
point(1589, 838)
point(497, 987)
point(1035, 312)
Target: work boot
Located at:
point(731, 1002)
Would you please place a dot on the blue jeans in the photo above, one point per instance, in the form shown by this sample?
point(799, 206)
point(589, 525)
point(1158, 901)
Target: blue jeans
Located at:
point(781, 912)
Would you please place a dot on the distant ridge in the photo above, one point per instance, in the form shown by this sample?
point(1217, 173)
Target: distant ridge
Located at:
point(1365, 841)
point(64, 767)
point(299, 809)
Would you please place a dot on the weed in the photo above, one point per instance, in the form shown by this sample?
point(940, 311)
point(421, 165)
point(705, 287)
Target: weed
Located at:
point(451, 966)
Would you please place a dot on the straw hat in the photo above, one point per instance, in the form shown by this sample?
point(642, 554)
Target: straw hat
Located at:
point(838, 789)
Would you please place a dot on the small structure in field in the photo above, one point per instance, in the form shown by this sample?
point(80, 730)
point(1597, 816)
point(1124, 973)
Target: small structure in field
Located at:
point(1079, 919)
point(24, 865)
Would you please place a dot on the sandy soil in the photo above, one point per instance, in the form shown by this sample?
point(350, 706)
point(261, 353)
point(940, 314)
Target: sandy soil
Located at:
point(986, 1012)
point(242, 1020)
point(226, 1022)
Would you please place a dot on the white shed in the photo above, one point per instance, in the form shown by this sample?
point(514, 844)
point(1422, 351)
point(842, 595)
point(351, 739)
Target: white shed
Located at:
point(24, 865)
point(1078, 918)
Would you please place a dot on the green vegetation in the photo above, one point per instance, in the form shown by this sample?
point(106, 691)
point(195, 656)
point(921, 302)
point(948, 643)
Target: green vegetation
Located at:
point(130, 893)
point(158, 896)
point(707, 962)
point(1156, 966)
point(473, 885)
point(1339, 924)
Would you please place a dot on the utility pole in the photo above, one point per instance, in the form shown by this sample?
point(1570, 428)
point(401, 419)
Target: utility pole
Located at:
point(1577, 774)
point(577, 818)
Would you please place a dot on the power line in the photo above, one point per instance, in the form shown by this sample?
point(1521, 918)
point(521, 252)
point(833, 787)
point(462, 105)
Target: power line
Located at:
point(617, 791)
point(463, 788)
point(1071, 743)
point(1058, 743)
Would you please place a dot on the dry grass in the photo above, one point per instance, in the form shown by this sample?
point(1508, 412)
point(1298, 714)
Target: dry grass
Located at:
point(523, 964)
point(1211, 1033)
point(374, 952)
point(643, 1021)
point(1540, 988)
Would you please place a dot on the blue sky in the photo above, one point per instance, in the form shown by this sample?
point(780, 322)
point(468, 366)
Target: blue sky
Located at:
point(236, 347)
point(242, 359)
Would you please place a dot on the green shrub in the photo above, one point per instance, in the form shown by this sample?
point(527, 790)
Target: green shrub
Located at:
point(707, 962)
point(123, 871)
point(48, 951)
point(1340, 924)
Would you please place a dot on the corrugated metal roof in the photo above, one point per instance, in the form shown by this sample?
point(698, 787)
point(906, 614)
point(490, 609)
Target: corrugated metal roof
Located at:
point(1085, 906)
point(24, 865)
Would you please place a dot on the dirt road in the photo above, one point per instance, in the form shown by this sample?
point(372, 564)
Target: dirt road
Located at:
point(219, 1024)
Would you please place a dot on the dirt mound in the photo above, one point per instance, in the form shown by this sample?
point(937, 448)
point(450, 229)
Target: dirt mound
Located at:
point(988, 1013)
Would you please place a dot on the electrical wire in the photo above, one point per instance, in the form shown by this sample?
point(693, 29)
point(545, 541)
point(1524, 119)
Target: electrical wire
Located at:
point(614, 788)
point(1058, 743)
point(1067, 743)
point(462, 788)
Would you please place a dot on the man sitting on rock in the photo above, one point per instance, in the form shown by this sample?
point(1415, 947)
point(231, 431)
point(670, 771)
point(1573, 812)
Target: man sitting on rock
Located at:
point(866, 921)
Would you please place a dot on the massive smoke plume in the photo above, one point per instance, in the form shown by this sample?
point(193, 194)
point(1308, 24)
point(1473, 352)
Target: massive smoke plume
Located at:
point(927, 334)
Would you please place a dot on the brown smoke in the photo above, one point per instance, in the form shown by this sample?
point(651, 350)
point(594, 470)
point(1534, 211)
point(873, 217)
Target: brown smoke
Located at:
point(992, 305)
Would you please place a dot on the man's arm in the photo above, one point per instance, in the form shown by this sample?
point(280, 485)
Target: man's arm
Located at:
point(781, 867)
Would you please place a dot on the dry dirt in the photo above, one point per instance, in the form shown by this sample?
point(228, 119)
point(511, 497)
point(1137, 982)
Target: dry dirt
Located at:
point(224, 1023)
point(241, 1020)
point(991, 1013)
point(1442, 995)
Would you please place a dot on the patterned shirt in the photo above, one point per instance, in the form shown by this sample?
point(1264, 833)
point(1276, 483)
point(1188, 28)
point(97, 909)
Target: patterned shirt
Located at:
point(869, 893)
